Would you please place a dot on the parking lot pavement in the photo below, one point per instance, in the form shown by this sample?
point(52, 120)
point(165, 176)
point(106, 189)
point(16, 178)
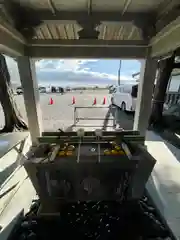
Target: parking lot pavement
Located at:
point(61, 113)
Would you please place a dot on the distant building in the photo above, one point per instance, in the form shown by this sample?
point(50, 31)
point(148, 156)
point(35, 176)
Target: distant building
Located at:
point(174, 81)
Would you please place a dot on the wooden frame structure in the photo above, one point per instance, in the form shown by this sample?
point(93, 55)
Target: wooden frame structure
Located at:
point(88, 29)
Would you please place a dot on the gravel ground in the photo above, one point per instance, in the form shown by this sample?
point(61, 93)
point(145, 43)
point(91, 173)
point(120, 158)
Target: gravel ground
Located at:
point(103, 220)
point(61, 113)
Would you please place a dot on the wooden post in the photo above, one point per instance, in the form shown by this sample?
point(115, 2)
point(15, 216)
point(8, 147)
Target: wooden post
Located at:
point(145, 91)
point(31, 96)
point(164, 73)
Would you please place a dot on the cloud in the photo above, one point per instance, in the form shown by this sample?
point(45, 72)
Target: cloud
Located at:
point(81, 77)
point(73, 72)
point(70, 72)
point(63, 64)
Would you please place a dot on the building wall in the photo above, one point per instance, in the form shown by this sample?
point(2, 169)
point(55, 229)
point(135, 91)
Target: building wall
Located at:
point(174, 84)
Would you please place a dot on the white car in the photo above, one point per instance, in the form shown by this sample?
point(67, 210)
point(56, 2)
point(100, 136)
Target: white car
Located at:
point(42, 90)
point(19, 90)
point(125, 96)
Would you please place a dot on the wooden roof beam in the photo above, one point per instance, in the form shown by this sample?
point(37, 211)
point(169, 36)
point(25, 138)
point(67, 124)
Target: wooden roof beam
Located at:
point(103, 16)
point(86, 49)
point(11, 41)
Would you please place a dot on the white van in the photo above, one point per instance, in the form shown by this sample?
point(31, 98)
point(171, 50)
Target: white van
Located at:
point(125, 96)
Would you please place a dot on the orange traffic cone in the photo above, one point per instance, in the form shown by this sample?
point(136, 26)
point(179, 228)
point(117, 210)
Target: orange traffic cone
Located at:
point(95, 101)
point(51, 102)
point(104, 101)
point(73, 100)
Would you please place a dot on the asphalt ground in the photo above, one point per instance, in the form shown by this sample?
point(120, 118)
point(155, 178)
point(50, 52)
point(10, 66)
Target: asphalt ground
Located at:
point(60, 114)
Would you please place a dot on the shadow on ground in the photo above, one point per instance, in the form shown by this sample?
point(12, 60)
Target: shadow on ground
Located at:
point(123, 119)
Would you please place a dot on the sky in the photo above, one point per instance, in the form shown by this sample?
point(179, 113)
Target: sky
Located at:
point(71, 72)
